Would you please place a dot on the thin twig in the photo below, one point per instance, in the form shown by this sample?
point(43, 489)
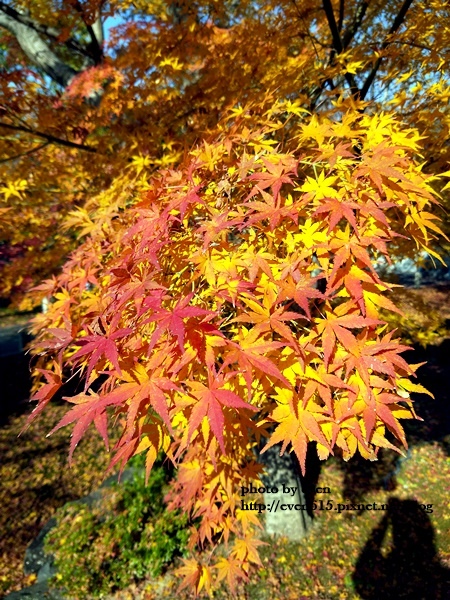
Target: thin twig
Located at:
point(50, 138)
point(4, 160)
point(355, 24)
point(308, 33)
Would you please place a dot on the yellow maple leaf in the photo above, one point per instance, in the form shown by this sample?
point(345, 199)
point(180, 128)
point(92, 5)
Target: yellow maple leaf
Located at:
point(14, 189)
point(320, 187)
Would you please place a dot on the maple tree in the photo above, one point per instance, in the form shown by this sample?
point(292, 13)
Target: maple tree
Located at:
point(221, 290)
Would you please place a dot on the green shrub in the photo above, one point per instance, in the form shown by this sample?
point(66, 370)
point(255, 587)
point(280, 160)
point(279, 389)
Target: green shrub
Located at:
point(118, 540)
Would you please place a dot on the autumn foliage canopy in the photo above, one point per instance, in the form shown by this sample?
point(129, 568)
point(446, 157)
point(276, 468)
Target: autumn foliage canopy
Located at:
point(222, 294)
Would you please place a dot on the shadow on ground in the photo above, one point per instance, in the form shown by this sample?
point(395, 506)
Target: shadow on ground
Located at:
point(406, 566)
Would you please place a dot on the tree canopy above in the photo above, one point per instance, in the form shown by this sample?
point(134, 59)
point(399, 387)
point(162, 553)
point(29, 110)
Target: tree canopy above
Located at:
point(78, 105)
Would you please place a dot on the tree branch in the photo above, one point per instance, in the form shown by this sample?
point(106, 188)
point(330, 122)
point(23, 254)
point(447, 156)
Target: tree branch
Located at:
point(308, 33)
point(395, 25)
point(337, 43)
point(37, 49)
point(360, 13)
point(95, 33)
point(341, 14)
point(50, 32)
point(97, 28)
point(50, 138)
point(32, 151)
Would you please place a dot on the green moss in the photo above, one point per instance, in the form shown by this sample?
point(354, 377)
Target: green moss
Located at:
point(121, 539)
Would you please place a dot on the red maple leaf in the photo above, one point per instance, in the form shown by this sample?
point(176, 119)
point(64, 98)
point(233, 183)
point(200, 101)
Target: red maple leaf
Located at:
point(172, 320)
point(336, 326)
point(211, 400)
point(98, 346)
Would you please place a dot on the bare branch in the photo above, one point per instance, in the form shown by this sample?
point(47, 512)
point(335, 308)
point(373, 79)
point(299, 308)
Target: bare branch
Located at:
point(337, 43)
point(360, 13)
point(308, 33)
point(412, 45)
point(95, 33)
point(50, 138)
point(395, 25)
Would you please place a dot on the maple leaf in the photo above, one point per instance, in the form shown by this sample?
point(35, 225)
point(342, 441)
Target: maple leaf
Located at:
point(60, 340)
point(46, 392)
point(256, 260)
point(100, 345)
point(230, 569)
point(300, 291)
point(363, 286)
point(153, 438)
point(211, 399)
point(230, 289)
point(14, 189)
point(266, 318)
point(320, 187)
point(316, 129)
point(346, 246)
point(271, 210)
point(297, 425)
point(48, 286)
point(378, 165)
point(336, 326)
point(332, 154)
point(172, 320)
point(190, 477)
point(249, 353)
point(183, 201)
point(385, 414)
point(85, 412)
point(247, 518)
point(218, 224)
point(63, 302)
point(90, 408)
point(246, 549)
point(312, 234)
point(322, 382)
point(149, 388)
point(191, 572)
point(338, 209)
point(146, 293)
point(204, 337)
point(274, 177)
point(381, 356)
